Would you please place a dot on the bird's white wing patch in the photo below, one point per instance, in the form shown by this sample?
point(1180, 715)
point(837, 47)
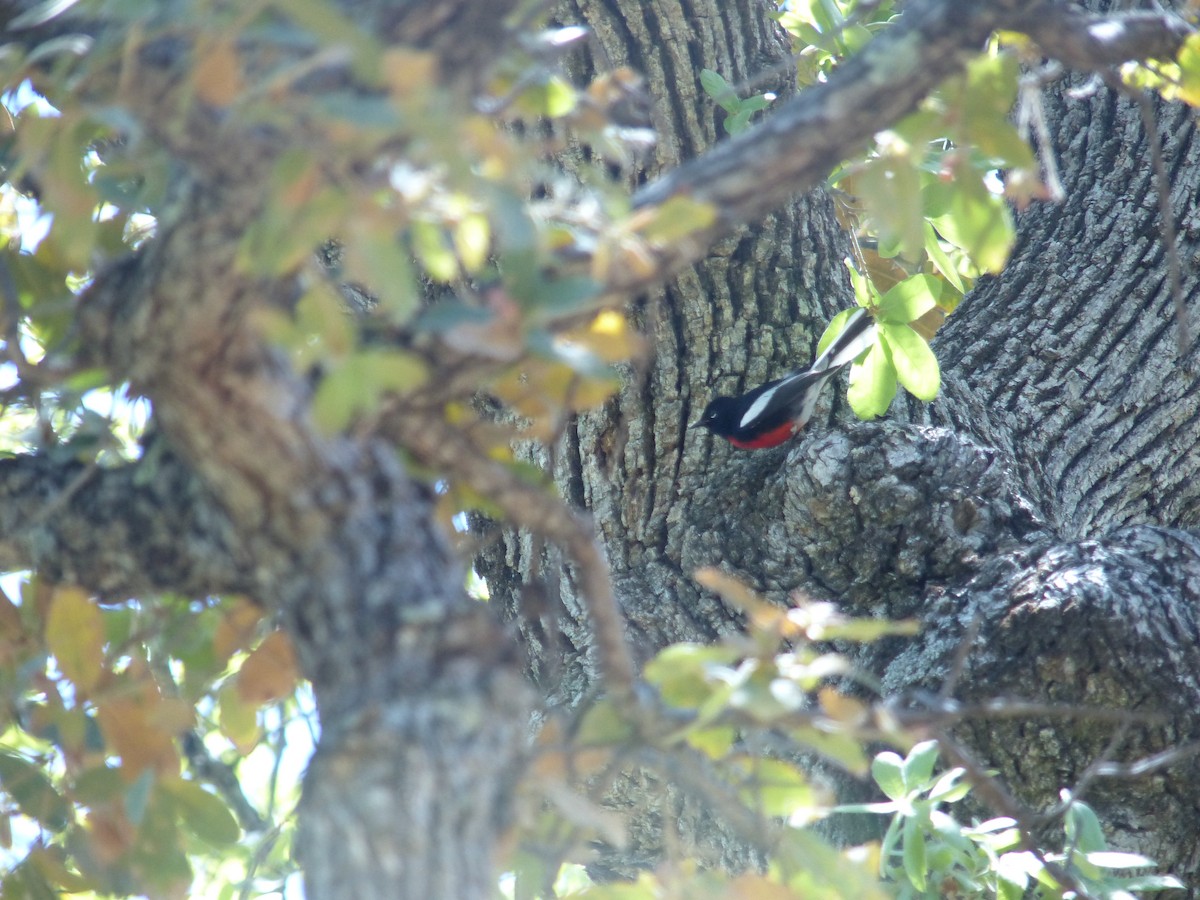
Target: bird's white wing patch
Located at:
point(757, 407)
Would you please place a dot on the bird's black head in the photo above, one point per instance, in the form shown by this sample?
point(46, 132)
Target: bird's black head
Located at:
point(721, 416)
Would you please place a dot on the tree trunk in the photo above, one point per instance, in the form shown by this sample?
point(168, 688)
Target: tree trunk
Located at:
point(1066, 417)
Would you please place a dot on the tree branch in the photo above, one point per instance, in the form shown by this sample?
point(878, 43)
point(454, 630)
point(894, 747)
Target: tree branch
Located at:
point(142, 528)
point(752, 174)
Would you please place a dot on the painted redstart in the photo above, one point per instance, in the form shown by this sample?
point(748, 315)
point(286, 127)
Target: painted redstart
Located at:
point(771, 413)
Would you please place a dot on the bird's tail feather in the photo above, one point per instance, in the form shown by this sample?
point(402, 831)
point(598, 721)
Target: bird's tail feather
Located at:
point(856, 337)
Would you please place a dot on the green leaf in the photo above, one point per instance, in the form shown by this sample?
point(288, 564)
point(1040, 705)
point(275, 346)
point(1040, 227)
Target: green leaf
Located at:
point(203, 814)
point(383, 266)
point(677, 218)
point(950, 787)
point(777, 788)
point(1083, 829)
point(872, 384)
point(602, 725)
point(719, 89)
point(890, 187)
point(888, 771)
point(33, 792)
point(681, 672)
point(838, 747)
point(914, 852)
point(358, 383)
point(75, 635)
point(917, 768)
point(433, 251)
point(865, 293)
point(941, 261)
point(914, 363)
point(910, 299)
point(980, 223)
point(836, 326)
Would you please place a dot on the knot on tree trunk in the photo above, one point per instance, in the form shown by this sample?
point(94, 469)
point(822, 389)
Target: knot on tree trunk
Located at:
point(882, 512)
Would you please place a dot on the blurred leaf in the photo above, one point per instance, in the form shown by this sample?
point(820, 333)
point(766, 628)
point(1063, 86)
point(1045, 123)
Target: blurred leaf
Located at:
point(980, 223)
point(674, 220)
point(715, 743)
point(985, 98)
point(472, 241)
point(357, 384)
point(680, 672)
point(890, 187)
point(203, 814)
point(75, 635)
point(1189, 70)
point(217, 72)
point(840, 748)
point(138, 725)
point(603, 724)
point(433, 251)
point(774, 787)
point(269, 672)
point(237, 719)
point(1083, 828)
point(236, 628)
point(325, 21)
point(51, 864)
point(33, 792)
point(816, 871)
point(381, 263)
point(409, 72)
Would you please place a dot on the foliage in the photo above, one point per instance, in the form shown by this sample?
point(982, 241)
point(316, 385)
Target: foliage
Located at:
point(121, 717)
point(738, 110)
point(928, 853)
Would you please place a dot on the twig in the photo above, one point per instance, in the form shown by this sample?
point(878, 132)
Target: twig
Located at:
point(439, 445)
point(992, 792)
point(1031, 116)
point(961, 653)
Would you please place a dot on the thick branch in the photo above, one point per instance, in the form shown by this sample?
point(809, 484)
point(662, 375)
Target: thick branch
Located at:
point(131, 531)
point(754, 173)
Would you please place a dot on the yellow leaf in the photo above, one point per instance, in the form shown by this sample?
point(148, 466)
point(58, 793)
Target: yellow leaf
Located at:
point(236, 629)
point(269, 673)
point(841, 708)
point(75, 635)
point(129, 718)
point(677, 218)
point(609, 337)
point(218, 73)
point(238, 720)
point(408, 71)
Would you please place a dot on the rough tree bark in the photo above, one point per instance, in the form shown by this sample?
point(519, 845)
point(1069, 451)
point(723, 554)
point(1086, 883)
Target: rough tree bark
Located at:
point(421, 699)
point(1046, 503)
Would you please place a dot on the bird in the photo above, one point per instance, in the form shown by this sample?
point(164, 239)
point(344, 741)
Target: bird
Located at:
point(773, 412)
